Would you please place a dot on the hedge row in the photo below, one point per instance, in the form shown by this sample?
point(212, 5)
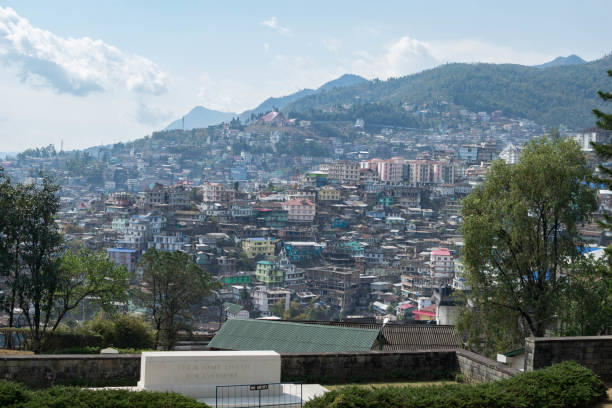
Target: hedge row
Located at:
point(13, 395)
point(565, 385)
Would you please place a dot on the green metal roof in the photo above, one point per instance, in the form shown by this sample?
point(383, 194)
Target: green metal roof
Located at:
point(289, 337)
point(232, 307)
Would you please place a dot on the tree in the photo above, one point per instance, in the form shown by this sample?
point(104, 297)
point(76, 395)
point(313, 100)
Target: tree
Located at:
point(41, 244)
point(604, 151)
point(89, 275)
point(520, 234)
point(11, 267)
point(171, 284)
point(586, 308)
point(42, 282)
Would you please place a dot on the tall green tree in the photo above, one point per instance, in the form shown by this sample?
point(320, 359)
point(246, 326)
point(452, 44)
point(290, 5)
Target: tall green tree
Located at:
point(604, 150)
point(171, 285)
point(40, 248)
point(11, 240)
point(39, 279)
point(520, 233)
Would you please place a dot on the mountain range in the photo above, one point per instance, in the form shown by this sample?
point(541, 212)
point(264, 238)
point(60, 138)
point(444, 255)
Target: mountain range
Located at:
point(201, 117)
point(552, 96)
point(560, 92)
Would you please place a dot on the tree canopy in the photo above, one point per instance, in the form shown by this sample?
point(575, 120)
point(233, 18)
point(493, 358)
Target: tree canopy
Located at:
point(520, 230)
point(171, 285)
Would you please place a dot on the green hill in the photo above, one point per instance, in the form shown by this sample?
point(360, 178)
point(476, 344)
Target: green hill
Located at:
point(553, 96)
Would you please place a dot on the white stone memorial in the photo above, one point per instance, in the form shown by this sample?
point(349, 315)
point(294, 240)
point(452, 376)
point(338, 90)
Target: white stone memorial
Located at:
point(198, 373)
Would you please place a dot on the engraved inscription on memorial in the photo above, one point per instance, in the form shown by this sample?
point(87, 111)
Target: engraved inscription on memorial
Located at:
point(216, 371)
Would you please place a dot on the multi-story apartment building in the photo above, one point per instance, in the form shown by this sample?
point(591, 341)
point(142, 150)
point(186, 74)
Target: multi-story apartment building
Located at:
point(264, 297)
point(300, 210)
point(510, 154)
point(137, 234)
point(124, 256)
point(442, 266)
point(335, 285)
point(269, 273)
point(170, 242)
point(157, 195)
point(344, 171)
point(390, 170)
point(216, 193)
point(329, 193)
point(585, 137)
point(254, 247)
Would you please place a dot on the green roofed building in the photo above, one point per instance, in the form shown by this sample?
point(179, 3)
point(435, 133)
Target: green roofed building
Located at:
point(290, 337)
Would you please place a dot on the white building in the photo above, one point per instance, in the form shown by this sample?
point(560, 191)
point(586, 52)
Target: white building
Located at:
point(510, 154)
point(264, 297)
point(441, 266)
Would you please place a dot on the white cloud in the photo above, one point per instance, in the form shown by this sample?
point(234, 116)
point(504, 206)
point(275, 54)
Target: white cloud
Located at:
point(76, 66)
point(266, 47)
point(407, 55)
point(273, 24)
point(401, 57)
point(150, 115)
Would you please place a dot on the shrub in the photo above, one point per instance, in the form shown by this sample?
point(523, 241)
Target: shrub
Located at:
point(13, 395)
point(122, 331)
point(565, 385)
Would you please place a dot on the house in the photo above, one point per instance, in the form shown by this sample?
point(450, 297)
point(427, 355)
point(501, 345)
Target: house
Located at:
point(426, 313)
point(292, 337)
point(328, 193)
point(254, 247)
point(441, 265)
point(300, 210)
point(302, 252)
point(234, 311)
point(264, 297)
point(124, 256)
point(269, 273)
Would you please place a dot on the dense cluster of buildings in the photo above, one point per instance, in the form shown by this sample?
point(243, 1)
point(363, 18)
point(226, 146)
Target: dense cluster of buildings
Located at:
point(366, 228)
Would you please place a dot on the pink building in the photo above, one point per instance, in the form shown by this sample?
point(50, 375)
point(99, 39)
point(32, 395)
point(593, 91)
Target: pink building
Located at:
point(388, 170)
point(300, 210)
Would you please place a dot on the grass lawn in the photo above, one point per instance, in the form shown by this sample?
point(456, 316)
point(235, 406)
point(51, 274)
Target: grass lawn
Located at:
point(391, 384)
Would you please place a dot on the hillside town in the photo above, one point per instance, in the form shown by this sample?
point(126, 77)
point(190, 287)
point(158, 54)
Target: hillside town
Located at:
point(364, 227)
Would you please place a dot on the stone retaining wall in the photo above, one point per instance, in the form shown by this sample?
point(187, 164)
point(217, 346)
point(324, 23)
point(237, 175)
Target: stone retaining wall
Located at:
point(481, 369)
point(69, 369)
point(594, 352)
point(326, 368)
point(349, 367)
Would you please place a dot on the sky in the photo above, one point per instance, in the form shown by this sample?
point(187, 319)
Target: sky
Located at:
point(91, 72)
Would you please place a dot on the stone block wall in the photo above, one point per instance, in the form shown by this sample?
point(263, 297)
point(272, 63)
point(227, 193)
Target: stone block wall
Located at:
point(594, 352)
point(481, 369)
point(47, 370)
point(348, 367)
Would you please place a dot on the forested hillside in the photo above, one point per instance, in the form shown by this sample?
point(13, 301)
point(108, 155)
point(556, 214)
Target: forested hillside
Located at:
point(553, 96)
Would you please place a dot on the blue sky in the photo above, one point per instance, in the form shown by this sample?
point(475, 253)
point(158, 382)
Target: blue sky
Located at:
point(100, 72)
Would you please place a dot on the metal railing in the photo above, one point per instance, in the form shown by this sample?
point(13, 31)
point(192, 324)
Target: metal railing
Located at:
point(259, 395)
